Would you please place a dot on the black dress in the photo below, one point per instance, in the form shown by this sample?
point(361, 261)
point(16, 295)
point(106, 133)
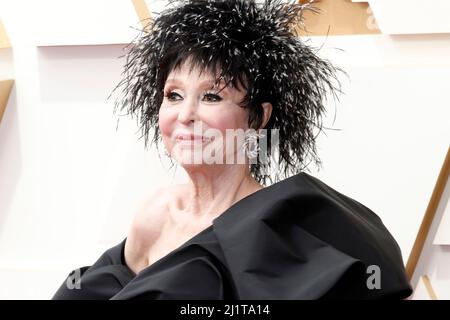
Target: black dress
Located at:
point(296, 239)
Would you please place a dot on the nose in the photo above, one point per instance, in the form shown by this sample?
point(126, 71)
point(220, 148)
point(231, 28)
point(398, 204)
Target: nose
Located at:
point(187, 112)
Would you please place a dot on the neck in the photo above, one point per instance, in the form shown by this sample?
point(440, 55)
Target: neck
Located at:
point(213, 189)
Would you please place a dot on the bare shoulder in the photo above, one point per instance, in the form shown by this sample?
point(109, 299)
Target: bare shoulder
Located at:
point(147, 224)
point(154, 206)
point(165, 195)
point(152, 212)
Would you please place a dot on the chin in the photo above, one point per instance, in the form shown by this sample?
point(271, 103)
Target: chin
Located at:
point(189, 158)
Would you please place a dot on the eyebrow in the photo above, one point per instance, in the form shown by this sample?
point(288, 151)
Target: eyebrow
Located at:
point(204, 82)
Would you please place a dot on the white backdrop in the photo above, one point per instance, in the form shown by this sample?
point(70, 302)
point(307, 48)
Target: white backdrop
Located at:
point(70, 183)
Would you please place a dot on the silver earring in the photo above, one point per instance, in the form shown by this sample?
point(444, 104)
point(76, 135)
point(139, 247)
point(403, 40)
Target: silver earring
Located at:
point(251, 145)
point(164, 153)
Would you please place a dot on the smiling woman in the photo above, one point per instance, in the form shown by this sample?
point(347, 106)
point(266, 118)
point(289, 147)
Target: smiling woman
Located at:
point(188, 118)
point(209, 72)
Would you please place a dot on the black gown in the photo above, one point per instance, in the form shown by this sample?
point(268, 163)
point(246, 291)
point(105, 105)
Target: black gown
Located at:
point(296, 239)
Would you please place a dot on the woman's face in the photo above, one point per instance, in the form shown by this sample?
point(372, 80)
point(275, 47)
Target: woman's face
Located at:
point(194, 118)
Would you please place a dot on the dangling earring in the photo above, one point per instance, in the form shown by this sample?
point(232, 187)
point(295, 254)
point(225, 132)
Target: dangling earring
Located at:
point(166, 153)
point(251, 145)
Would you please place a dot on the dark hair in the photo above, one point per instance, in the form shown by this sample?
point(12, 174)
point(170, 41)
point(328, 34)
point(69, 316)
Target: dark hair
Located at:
point(240, 42)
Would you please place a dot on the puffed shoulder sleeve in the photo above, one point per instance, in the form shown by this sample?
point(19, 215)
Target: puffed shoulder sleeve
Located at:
point(107, 276)
point(188, 273)
point(301, 239)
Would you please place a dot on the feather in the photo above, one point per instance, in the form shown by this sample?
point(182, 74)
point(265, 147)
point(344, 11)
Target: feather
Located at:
point(254, 44)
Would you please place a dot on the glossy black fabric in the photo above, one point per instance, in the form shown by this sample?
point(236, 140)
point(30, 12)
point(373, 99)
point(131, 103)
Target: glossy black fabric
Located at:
point(296, 239)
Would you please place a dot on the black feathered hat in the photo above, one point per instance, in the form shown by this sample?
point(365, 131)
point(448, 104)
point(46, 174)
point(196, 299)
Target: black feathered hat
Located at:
point(255, 44)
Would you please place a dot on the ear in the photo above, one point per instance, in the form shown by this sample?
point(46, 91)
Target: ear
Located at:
point(267, 107)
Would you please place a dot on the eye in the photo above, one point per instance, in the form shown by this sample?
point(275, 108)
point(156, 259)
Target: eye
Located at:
point(212, 97)
point(171, 95)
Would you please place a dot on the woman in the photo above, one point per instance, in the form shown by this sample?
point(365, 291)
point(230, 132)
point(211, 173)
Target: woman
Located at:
point(205, 74)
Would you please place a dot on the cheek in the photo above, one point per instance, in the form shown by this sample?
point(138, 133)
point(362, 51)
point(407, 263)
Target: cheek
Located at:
point(166, 121)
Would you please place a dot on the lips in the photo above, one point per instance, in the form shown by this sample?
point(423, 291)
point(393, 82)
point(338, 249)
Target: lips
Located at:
point(190, 138)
